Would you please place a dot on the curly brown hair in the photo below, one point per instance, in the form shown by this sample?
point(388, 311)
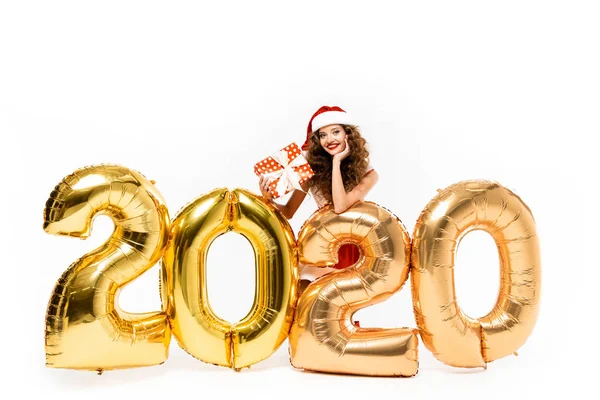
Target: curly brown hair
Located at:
point(353, 167)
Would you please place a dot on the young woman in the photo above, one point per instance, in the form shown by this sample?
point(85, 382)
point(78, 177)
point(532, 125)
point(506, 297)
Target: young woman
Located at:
point(337, 153)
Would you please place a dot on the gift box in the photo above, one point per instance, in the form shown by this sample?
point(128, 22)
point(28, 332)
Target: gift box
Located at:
point(288, 168)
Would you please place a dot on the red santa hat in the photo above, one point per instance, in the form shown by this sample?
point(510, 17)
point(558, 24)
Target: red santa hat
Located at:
point(324, 116)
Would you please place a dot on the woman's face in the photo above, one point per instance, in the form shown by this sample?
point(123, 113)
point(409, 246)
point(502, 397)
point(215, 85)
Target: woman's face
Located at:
point(333, 138)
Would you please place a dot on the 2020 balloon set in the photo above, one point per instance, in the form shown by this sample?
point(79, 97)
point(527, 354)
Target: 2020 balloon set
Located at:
point(86, 329)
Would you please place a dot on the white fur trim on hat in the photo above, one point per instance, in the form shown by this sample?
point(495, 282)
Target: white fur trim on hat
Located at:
point(329, 118)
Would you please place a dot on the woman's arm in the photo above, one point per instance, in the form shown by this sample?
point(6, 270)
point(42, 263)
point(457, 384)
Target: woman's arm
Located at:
point(289, 209)
point(342, 200)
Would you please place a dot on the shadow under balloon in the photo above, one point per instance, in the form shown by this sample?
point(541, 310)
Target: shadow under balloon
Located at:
point(85, 379)
point(179, 359)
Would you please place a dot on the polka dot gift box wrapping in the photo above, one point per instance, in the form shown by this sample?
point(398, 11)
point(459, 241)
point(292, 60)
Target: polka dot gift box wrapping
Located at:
point(287, 168)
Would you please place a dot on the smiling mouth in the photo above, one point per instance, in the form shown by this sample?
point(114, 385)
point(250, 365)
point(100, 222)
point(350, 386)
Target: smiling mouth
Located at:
point(333, 146)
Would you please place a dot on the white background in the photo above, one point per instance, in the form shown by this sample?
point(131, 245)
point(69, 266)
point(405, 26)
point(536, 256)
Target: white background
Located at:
point(192, 95)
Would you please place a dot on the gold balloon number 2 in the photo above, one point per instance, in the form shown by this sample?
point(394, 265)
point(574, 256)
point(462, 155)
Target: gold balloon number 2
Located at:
point(323, 337)
point(85, 329)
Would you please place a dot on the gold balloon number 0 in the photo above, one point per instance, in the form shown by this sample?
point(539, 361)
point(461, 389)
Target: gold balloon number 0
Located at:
point(452, 336)
point(85, 329)
point(197, 329)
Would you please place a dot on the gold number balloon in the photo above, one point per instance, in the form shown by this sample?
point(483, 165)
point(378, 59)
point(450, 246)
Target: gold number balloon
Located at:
point(453, 337)
point(85, 329)
point(323, 337)
point(195, 326)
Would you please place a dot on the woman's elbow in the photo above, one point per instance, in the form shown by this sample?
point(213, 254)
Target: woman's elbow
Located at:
point(339, 209)
point(342, 207)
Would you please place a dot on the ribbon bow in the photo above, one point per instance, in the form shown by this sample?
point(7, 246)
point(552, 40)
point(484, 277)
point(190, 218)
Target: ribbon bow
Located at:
point(288, 178)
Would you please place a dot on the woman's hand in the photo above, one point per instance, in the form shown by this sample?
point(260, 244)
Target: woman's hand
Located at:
point(343, 154)
point(264, 183)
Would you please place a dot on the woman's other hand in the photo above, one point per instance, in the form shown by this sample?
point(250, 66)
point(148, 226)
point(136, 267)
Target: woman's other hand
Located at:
point(343, 154)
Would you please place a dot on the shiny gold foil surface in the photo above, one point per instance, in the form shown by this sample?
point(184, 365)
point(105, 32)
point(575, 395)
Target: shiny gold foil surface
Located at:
point(195, 326)
point(323, 336)
point(85, 328)
point(452, 336)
